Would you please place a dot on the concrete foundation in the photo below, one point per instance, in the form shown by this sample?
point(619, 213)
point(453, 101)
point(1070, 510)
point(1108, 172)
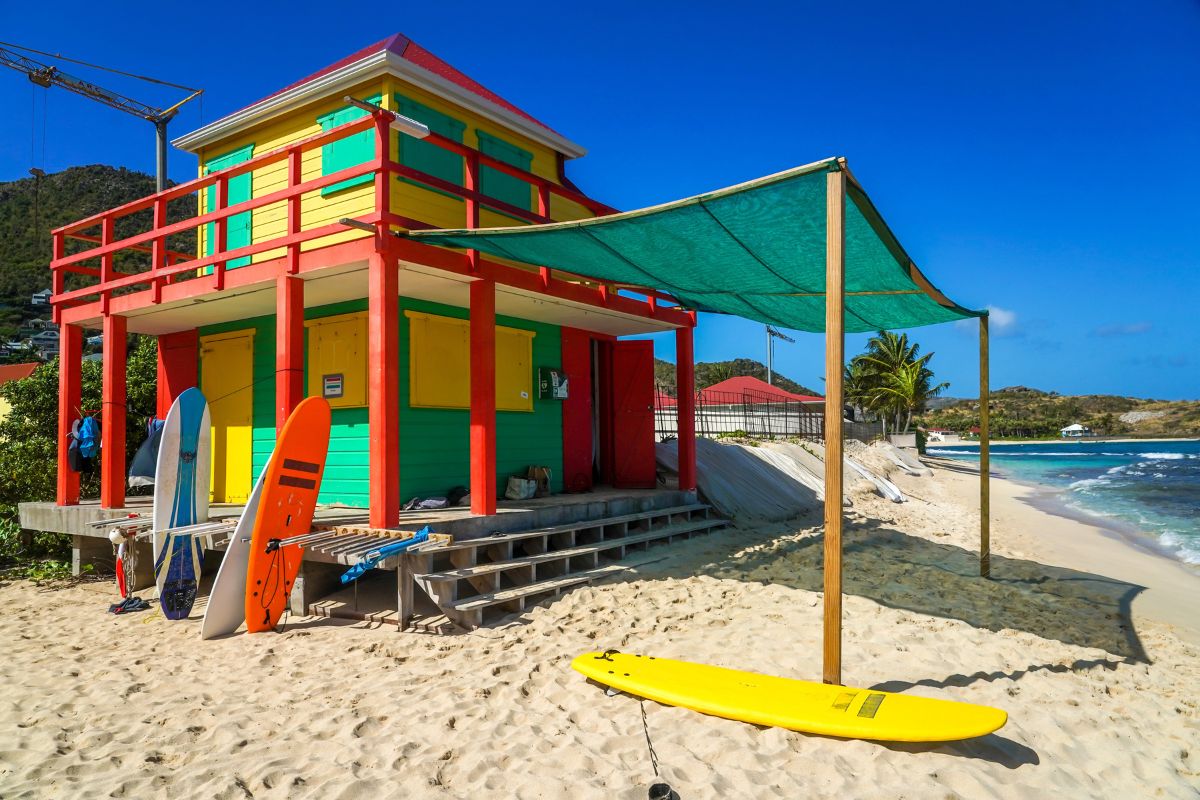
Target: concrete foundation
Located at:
point(320, 574)
point(87, 551)
point(316, 580)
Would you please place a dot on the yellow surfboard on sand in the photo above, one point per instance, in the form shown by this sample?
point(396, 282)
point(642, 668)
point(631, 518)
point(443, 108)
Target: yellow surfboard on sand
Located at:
point(782, 702)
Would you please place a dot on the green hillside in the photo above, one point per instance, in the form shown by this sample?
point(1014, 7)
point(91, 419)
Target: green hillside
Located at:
point(31, 207)
point(710, 372)
point(1021, 412)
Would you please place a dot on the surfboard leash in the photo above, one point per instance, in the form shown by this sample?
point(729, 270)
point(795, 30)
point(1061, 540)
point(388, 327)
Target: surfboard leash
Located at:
point(659, 790)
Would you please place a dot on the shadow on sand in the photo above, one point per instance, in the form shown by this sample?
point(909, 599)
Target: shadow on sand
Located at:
point(912, 573)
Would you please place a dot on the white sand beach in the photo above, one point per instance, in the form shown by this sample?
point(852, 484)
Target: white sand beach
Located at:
point(136, 706)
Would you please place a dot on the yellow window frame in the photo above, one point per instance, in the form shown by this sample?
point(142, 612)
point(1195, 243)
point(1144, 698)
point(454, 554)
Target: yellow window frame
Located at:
point(439, 374)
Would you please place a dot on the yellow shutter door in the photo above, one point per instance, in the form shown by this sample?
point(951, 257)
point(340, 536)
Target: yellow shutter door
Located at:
point(227, 380)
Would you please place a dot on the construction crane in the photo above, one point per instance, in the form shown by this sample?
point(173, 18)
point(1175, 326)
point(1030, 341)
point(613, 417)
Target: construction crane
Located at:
point(772, 335)
point(45, 75)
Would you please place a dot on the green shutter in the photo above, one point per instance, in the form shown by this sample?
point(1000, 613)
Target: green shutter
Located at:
point(237, 229)
point(426, 157)
point(494, 183)
point(349, 150)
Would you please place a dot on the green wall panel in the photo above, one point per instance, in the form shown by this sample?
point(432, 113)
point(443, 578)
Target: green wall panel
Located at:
point(434, 443)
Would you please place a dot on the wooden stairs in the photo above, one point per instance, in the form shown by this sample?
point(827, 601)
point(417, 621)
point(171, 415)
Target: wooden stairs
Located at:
point(502, 574)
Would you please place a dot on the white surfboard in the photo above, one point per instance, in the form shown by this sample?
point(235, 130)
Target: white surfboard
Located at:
point(226, 609)
point(181, 474)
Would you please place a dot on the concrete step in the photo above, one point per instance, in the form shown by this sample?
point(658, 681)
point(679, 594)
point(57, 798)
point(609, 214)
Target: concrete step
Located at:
point(479, 602)
point(664, 532)
point(485, 541)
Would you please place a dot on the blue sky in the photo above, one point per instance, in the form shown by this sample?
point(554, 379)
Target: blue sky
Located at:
point(1040, 158)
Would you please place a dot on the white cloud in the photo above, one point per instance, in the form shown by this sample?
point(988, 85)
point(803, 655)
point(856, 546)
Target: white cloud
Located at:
point(1001, 322)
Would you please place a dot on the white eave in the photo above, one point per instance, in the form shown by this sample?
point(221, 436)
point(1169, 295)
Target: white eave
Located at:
point(373, 66)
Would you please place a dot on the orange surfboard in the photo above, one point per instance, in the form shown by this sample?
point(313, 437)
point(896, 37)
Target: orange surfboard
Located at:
point(289, 498)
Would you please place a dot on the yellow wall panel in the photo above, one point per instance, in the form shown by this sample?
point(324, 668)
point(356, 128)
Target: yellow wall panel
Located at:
point(225, 361)
point(439, 361)
point(337, 355)
point(514, 369)
point(440, 364)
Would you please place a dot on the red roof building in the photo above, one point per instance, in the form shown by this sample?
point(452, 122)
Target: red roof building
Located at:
point(763, 392)
point(742, 388)
point(13, 372)
point(16, 372)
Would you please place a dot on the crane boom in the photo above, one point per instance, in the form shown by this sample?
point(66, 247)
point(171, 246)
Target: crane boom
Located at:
point(46, 75)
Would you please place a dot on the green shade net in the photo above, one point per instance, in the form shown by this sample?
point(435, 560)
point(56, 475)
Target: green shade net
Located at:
point(756, 250)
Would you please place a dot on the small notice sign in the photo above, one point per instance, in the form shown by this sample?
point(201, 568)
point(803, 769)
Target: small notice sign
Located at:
point(552, 384)
point(333, 385)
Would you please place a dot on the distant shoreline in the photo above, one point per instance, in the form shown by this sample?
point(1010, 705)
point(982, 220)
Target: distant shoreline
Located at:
point(1080, 440)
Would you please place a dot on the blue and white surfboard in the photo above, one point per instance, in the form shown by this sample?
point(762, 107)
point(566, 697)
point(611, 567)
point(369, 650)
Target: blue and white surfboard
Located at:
point(181, 491)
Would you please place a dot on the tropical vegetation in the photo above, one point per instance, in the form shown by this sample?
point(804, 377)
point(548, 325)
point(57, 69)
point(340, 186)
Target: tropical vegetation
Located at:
point(29, 447)
point(891, 380)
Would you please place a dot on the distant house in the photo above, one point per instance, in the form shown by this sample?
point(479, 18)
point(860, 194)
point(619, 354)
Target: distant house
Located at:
point(41, 298)
point(13, 372)
point(46, 343)
point(1075, 431)
point(943, 435)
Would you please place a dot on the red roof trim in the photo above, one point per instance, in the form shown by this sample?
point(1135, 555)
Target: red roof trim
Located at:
point(410, 51)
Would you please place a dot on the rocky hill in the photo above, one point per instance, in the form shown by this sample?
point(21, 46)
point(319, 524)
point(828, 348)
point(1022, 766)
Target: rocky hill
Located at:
point(1019, 411)
point(31, 207)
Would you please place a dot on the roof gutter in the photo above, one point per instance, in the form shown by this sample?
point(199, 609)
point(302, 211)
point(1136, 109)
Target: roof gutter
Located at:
point(374, 65)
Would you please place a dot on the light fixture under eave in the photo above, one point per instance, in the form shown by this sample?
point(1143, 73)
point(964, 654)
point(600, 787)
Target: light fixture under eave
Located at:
point(417, 130)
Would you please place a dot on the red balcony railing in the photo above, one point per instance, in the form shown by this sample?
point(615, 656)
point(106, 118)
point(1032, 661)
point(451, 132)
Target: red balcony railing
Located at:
point(95, 260)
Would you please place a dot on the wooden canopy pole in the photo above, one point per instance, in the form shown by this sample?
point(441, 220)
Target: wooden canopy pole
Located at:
point(985, 477)
point(835, 335)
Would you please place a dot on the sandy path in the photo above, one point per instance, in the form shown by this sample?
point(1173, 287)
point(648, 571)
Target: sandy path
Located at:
point(101, 706)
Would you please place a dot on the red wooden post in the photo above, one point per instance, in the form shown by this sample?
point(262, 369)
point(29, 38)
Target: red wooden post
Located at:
point(158, 248)
point(57, 276)
point(113, 413)
point(544, 213)
point(483, 397)
point(471, 184)
point(383, 364)
point(383, 352)
point(289, 347)
point(685, 405)
point(70, 357)
point(383, 178)
point(221, 232)
point(107, 234)
point(178, 367)
point(293, 218)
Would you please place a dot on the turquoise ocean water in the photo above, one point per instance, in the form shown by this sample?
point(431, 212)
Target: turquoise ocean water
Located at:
point(1151, 486)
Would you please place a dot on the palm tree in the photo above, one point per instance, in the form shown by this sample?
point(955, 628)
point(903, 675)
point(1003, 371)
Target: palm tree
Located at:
point(892, 379)
point(909, 388)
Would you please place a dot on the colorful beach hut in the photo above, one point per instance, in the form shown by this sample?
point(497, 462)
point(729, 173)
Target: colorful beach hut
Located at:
point(389, 234)
point(443, 367)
